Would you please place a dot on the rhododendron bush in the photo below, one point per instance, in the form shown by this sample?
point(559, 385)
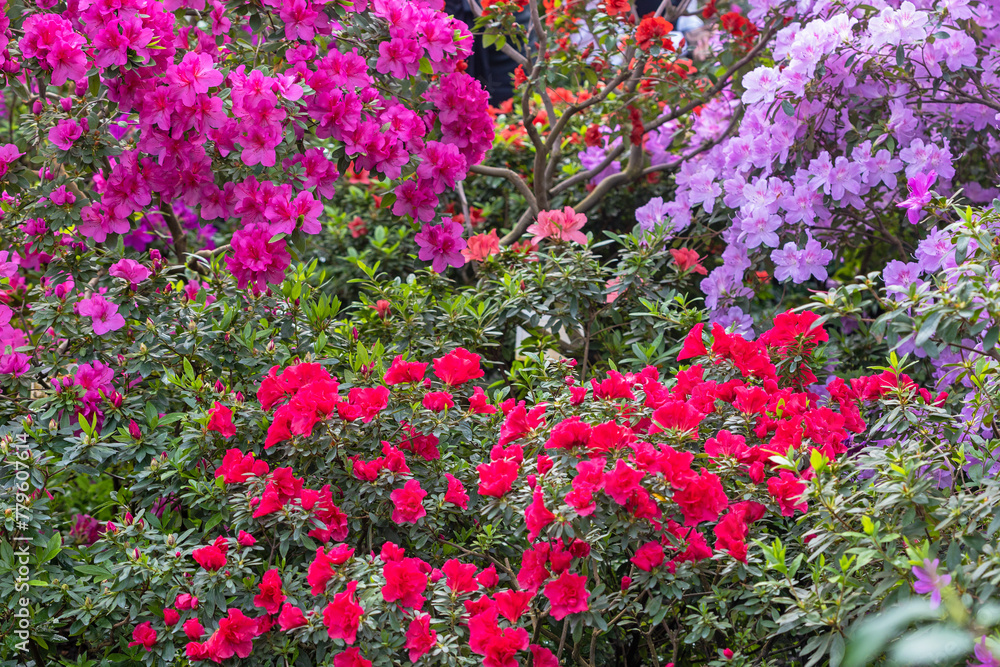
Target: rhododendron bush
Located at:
point(402, 512)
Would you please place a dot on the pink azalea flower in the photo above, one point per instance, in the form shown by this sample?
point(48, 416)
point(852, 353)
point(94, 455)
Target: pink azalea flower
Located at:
point(562, 225)
point(130, 271)
point(104, 314)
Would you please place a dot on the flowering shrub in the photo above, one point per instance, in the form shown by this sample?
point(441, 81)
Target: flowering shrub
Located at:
point(862, 112)
point(198, 121)
point(421, 515)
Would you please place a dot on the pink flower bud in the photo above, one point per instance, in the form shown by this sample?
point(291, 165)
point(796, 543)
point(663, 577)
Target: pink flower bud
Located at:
point(81, 87)
point(532, 481)
point(36, 107)
point(626, 582)
point(66, 104)
point(111, 528)
point(354, 332)
point(133, 430)
point(85, 124)
point(128, 519)
point(219, 387)
point(245, 539)
point(436, 575)
point(135, 553)
point(728, 653)
point(238, 397)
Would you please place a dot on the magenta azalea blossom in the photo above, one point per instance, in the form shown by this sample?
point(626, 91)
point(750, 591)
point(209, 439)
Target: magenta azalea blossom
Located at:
point(920, 195)
point(442, 244)
point(984, 656)
point(64, 133)
point(104, 314)
point(130, 271)
point(929, 581)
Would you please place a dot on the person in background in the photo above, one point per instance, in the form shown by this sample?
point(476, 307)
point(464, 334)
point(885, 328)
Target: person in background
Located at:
point(495, 69)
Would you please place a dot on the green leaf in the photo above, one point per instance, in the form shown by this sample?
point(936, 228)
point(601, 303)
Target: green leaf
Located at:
point(787, 107)
point(53, 548)
point(990, 339)
point(928, 328)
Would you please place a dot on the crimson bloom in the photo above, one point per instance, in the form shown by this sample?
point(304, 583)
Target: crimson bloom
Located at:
point(342, 617)
point(419, 637)
point(220, 420)
point(568, 595)
point(404, 583)
point(408, 501)
point(458, 367)
point(210, 558)
point(456, 494)
point(234, 636)
point(270, 596)
point(144, 635)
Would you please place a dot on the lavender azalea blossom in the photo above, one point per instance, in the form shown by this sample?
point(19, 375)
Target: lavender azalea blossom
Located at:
point(899, 276)
point(929, 581)
point(652, 215)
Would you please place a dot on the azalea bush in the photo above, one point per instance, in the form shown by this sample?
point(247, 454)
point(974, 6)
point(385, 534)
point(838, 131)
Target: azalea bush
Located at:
point(398, 511)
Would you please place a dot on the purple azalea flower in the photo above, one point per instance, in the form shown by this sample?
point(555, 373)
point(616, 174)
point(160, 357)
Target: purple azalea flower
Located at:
point(899, 276)
point(984, 656)
point(652, 215)
point(929, 581)
point(441, 244)
point(920, 195)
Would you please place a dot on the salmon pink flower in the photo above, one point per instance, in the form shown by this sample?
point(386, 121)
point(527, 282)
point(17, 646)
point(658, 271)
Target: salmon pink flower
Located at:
point(562, 225)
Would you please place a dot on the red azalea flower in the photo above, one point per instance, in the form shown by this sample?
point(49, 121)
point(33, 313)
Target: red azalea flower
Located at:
point(221, 420)
point(351, 658)
point(404, 583)
point(342, 617)
point(233, 637)
point(144, 635)
point(458, 367)
point(291, 617)
point(512, 604)
point(456, 494)
point(568, 595)
point(460, 577)
point(419, 637)
point(408, 501)
point(210, 558)
point(648, 556)
point(270, 596)
point(403, 372)
point(496, 479)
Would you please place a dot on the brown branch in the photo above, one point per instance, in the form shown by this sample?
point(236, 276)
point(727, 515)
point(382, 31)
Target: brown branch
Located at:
point(511, 176)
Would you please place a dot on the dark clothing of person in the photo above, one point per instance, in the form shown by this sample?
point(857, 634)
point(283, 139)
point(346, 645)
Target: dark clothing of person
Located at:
point(492, 67)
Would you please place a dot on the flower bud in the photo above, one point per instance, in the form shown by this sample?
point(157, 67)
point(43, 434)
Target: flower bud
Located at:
point(219, 387)
point(626, 582)
point(133, 430)
point(81, 87)
point(36, 107)
point(85, 124)
point(66, 104)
